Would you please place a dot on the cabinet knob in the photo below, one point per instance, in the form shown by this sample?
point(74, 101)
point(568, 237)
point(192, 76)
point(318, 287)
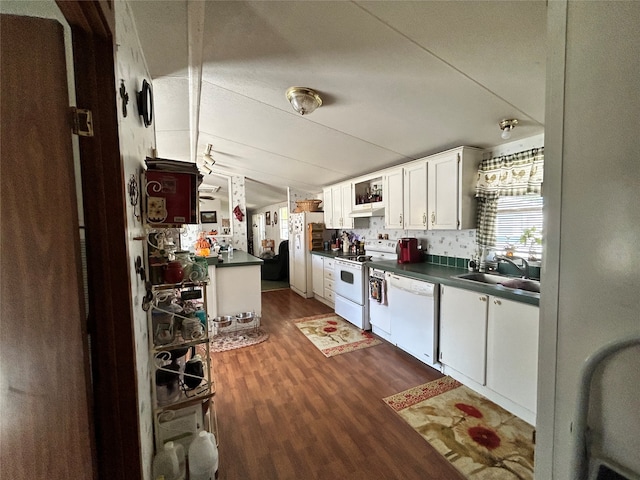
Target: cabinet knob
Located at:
point(483, 299)
point(497, 302)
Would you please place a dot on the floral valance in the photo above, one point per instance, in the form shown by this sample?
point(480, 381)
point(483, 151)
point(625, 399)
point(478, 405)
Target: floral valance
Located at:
point(516, 174)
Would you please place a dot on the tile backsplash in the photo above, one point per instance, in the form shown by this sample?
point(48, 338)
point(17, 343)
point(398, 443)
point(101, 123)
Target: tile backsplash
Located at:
point(441, 243)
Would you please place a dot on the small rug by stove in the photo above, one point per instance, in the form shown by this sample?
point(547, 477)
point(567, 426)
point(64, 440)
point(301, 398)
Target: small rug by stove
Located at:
point(231, 340)
point(482, 440)
point(333, 335)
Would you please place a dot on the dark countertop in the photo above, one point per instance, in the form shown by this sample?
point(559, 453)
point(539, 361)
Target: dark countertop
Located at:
point(239, 259)
point(445, 276)
point(330, 254)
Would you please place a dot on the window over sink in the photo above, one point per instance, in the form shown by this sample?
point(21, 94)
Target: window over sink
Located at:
point(517, 215)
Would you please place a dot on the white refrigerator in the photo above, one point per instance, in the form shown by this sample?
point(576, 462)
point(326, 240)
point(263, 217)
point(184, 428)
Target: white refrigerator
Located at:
point(299, 255)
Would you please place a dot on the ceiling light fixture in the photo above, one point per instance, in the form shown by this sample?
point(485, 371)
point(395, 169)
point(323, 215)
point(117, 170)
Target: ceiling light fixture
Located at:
point(303, 99)
point(506, 126)
point(208, 158)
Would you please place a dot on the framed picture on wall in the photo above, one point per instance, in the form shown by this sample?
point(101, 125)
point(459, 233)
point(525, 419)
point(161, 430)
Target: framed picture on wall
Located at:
point(208, 217)
point(267, 218)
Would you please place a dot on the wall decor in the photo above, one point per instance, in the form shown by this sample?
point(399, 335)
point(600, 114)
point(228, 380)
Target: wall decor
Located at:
point(275, 218)
point(267, 218)
point(145, 103)
point(208, 217)
point(125, 98)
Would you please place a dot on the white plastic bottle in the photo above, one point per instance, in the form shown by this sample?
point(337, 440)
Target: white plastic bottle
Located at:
point(203, 457)
point(165, 463)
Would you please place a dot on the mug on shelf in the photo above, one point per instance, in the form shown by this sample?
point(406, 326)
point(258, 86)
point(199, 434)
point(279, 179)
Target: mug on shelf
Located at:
point(192, 329)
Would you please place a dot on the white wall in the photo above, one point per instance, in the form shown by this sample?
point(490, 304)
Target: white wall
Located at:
point(592, 192)
point(272, 231)
point(136, 143)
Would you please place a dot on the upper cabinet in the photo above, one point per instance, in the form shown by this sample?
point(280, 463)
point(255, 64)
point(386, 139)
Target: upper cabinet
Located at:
point(451, 179)
point(393, 188)
point(337, 206)
point(432, 193)
point(368, 194)
point(327, 206)
point(415, 196)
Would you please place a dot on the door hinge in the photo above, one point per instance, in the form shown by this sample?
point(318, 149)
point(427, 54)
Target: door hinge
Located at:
point(82, 122)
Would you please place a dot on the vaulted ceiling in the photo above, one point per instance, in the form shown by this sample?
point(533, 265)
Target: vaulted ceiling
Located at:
point(399, 80)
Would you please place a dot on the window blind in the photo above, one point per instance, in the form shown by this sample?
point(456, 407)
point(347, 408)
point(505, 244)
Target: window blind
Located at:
point(514, 215)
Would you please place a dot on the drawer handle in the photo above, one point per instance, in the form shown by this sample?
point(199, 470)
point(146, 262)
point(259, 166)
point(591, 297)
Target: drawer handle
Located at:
point(433, 218)
point(424, 218)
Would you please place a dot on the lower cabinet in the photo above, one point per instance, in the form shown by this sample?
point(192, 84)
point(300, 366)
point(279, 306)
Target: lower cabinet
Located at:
point(512, 351)
point(463, 331)
point(322, 278)
point(494, 343)
point(317, 275)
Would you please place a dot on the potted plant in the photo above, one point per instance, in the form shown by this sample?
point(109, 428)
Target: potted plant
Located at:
point(532, 237)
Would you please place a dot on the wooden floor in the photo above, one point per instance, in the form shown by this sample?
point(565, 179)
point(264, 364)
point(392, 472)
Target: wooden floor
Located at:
point(285, 411)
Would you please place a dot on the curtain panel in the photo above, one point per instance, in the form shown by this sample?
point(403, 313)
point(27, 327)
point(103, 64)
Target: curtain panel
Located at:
point(508, 175)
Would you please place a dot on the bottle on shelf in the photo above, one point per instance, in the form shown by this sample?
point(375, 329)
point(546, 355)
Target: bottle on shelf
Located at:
point(203, 457)
point(166, 463)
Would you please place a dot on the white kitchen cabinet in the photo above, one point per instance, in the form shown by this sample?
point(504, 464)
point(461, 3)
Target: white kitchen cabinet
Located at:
point(463, 331)
point(393, 199)
point(327, 206)
point(451, 181)
point(512, 351)
point(347, 205)
point(317, 275)
point(322, 277)
point(328, 280)
point(415, 196)
point(338, 202)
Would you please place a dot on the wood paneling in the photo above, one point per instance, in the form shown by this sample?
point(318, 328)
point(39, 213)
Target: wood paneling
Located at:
point(45, 395)
point(286, 411)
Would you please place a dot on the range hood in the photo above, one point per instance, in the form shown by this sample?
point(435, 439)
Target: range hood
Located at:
point(367, 212)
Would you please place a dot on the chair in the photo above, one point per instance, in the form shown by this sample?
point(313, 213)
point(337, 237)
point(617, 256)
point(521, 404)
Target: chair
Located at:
point(268, 246)
point(277, 268)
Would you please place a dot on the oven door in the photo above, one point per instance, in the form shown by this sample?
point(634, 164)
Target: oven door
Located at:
point(349, 281)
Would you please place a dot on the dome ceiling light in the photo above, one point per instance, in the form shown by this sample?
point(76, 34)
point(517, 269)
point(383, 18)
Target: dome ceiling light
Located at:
point(303, 100)
point(506, 126)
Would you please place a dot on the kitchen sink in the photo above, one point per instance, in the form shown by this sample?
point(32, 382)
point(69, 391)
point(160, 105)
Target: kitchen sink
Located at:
point(502, 280)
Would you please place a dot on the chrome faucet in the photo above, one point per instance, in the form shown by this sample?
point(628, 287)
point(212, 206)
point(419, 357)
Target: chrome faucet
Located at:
point(523, 269)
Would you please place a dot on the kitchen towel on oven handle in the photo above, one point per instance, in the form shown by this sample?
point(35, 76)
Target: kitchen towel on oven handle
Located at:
point(377, 289)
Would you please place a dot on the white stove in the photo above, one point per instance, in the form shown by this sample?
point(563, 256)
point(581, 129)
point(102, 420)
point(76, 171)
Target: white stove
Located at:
point(351, 279)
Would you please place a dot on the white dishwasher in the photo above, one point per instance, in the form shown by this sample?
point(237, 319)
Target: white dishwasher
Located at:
point(413, 305)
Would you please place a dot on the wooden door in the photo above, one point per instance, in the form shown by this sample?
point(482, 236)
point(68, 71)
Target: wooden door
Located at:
point(45, 392)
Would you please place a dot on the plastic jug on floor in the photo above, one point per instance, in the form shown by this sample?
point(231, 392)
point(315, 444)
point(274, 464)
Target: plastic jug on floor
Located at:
point(203, 457)
point(166, 463)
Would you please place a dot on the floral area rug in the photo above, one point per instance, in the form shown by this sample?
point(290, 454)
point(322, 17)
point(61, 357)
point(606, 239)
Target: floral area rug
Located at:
point(231, 340)
point(482, 440)
point(332, 335)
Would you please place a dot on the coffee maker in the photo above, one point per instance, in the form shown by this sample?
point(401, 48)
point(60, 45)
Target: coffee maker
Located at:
point(408, 251)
